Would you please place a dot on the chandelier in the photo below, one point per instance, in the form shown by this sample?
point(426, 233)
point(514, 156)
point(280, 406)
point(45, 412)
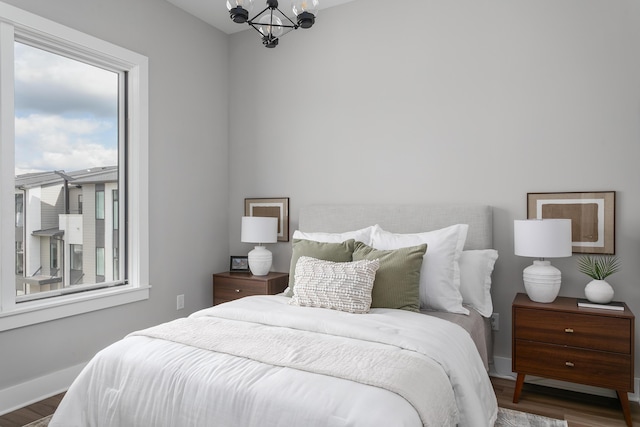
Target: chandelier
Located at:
point(271, 22)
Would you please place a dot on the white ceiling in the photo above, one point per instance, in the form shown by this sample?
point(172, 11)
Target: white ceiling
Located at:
point(215, 12)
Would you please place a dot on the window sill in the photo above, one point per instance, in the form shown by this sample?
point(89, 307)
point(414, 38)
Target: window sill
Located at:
point(31, 313)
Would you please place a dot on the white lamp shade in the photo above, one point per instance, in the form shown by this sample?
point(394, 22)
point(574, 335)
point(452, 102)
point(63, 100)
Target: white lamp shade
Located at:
point(258, 229)
point(542, 238)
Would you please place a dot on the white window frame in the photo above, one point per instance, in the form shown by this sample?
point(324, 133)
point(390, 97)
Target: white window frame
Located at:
point(12, 315)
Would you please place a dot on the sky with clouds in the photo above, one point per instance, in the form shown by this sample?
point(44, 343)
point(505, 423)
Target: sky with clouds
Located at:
point(66, 113)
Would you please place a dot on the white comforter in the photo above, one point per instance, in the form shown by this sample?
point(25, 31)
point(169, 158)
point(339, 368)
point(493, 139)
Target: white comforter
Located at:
point(143, 381)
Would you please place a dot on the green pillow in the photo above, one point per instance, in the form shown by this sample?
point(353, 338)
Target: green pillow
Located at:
point(336, 252)
point(397, 283)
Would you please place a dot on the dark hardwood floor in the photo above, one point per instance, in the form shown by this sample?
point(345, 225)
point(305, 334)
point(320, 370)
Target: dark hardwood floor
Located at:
point(580, 410)
point(31, 413)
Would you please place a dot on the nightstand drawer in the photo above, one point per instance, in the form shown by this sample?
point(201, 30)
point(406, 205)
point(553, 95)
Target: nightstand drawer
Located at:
point(231, 286)
point(576, 330)
point(233, 289)
point(597, 368)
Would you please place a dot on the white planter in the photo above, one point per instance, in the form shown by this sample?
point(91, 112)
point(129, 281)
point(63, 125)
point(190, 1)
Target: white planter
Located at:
point(599, 292)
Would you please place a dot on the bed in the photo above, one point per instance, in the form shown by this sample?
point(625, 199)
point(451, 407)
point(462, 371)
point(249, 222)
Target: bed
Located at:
point(371, 351)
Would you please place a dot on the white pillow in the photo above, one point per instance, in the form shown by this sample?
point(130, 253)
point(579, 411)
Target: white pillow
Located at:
point(440, 272)
point(363, 235)
point(344, 286)
point(475, 279)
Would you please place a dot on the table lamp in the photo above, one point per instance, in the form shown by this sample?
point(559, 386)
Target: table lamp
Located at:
point(542, 238)
point(260, 230)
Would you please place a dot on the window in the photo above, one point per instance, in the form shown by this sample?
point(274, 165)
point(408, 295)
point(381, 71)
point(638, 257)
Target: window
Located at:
point(100, 262)
point(99, 204)
point(116, 264)
point(19, 210)
point(19, 258)
point(61, 144)
point(76, 257)
point(73, 128)
point(53, 255)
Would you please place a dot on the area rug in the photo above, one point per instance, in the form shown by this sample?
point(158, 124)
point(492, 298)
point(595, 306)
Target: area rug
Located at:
point(506, 418)
point(512, 418)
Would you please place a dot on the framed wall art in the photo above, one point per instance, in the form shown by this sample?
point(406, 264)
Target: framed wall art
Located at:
point(276, 208)
point(592, 217)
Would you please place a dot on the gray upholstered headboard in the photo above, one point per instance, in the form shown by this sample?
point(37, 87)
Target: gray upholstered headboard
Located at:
point(402, 219)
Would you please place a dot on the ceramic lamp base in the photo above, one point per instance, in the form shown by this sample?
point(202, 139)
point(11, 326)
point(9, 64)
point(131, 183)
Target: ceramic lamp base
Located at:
point(542, 281)
point(260, 259)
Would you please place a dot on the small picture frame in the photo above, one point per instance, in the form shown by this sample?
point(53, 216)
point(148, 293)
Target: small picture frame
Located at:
point(239, 264)
point(273, 207)
point(592, 216)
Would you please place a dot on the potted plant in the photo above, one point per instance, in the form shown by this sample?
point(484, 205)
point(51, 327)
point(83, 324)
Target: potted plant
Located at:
point(598, 268)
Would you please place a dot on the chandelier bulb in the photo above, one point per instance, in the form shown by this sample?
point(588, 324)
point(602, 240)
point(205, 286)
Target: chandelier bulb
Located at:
point(306, 11)
point(246, 4)
point(270, 25)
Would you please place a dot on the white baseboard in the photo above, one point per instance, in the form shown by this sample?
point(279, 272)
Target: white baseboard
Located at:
point(501, 368)
point(37, 389)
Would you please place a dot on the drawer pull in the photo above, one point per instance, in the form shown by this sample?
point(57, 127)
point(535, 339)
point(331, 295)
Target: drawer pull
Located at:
point(568, 330)
point(237, 291)
point(569, 364)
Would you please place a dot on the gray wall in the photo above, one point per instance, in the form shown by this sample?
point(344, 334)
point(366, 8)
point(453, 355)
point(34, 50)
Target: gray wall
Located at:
point(461, 101)
point(188, 181)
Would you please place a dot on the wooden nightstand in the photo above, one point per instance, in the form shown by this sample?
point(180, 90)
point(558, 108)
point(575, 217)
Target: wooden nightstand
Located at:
point(565, 342)
point(229, 286)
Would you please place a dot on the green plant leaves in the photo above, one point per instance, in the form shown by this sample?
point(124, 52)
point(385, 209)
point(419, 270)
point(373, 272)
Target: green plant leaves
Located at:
point(598, 267)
